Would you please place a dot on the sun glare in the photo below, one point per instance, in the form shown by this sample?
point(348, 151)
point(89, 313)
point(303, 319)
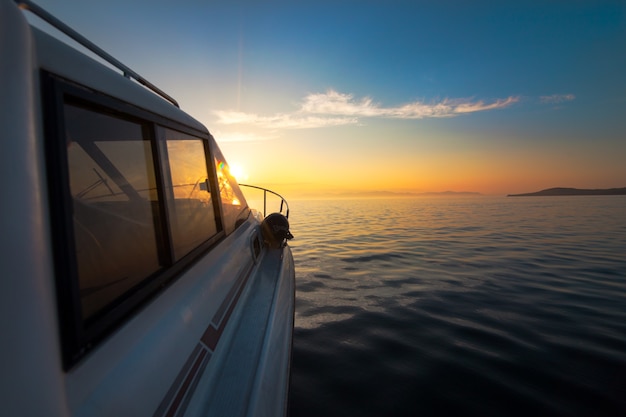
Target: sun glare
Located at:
point(238, 172)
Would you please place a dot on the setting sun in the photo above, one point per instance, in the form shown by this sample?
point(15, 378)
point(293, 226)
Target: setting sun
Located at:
point(238, 172)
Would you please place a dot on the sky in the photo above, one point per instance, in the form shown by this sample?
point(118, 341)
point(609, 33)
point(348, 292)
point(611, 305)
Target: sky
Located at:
point(315, 98)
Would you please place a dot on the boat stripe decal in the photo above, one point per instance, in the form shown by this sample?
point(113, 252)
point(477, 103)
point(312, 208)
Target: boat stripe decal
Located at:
point(179, 394)
point(178, 381)
point(188, 381)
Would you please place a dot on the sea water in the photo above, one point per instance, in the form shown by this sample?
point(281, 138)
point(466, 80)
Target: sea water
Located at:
point(480, 306)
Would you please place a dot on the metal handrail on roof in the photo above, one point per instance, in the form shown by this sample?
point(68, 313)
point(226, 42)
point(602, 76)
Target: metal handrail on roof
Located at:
point(283, 202)
point(63, 28)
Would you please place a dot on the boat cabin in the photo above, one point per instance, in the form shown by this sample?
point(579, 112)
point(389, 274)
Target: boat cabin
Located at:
point(136, 281)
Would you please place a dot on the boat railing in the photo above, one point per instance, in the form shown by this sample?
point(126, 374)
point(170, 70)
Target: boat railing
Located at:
point(81, 40)
point(283, 202)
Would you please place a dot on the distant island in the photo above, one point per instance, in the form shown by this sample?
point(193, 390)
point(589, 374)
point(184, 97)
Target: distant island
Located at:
point(560, 191)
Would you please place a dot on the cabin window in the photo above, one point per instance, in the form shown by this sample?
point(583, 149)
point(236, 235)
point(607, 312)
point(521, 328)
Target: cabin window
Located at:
point(188, 192)
point(234, 204)
point(114, 199)
point(134, 200)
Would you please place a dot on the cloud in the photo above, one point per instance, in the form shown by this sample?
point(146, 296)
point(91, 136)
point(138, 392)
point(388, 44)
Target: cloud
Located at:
point(481, 106)
point(336, 103)
point(281, 120)
point(335, 109)
point(557, 98)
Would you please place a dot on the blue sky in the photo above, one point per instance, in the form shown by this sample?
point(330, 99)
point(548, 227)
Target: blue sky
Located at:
point(493, 97)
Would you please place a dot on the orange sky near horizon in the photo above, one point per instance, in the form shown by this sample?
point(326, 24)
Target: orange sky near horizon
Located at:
point(313, 167)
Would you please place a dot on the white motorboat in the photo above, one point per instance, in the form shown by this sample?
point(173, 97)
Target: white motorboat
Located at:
point(136, 281)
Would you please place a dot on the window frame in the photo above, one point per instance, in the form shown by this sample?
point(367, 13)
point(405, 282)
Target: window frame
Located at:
point(78, 336)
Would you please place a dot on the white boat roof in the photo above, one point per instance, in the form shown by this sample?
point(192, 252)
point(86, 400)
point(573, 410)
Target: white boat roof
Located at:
point(61, 59)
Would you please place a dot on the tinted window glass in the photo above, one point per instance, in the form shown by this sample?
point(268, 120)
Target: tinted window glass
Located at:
point(114, 196)
point(191, 214)
point(233, 202)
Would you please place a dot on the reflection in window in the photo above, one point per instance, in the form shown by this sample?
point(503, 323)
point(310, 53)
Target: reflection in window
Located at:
point(233, 202)
point(191, 213)
point(113, 187)
point(92, 184)
point(139, 176)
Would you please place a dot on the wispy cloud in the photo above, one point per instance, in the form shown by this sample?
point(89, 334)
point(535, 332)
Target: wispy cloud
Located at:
point(282, 120)
point(482, 106)
point(333, 108)
point(557, 98)
point(336, 103)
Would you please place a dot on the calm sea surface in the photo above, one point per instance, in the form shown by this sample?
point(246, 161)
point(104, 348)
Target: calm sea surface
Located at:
point(484, 306)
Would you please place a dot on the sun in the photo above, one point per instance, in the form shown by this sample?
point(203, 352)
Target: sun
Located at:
point(238, 172)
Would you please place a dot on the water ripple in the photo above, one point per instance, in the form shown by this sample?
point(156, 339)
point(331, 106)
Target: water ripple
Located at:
point(464, 307)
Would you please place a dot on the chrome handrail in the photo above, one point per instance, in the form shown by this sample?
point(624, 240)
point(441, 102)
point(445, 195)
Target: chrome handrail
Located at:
point(81, 40)
point(265, 191)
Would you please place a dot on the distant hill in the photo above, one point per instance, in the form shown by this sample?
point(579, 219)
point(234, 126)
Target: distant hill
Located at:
point(559, 191)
